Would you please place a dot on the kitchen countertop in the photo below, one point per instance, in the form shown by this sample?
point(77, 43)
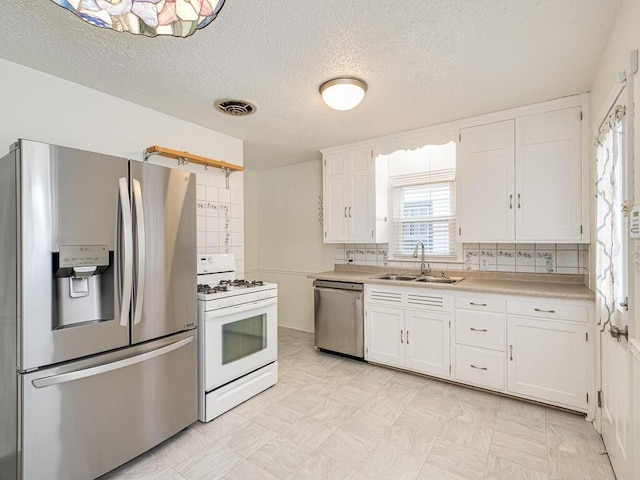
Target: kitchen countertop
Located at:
point(534, 285)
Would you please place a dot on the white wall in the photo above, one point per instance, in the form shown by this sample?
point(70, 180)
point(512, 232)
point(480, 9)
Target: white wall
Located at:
point(285, 205)
point(625, 37)
point(44, 108)
point(41, 107)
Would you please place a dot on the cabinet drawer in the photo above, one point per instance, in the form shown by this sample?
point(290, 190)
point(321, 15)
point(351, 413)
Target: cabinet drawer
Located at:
point(480, 329)
point(479, 303)
point(541, 309)
point(484, 368)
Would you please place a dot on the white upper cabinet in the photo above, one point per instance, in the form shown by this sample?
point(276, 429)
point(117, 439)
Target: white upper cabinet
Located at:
point(548, 177)
point(349, 196)
point(485, 183)
point(521, 180)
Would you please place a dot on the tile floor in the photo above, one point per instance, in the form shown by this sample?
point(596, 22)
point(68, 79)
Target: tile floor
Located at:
point(335, 418)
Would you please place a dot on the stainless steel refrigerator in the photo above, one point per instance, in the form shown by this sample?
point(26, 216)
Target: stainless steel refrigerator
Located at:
point(98, 348)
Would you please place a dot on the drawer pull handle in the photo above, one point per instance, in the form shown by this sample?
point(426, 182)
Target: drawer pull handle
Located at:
point(407, 337)
point(401, 333)
point(544, 311)
point(511, 353)
point(478, 368)
point(478, 329)
point(478, 304)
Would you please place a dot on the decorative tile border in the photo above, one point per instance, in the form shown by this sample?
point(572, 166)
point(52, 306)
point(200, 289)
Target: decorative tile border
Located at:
point(204, 206)
point(525, 258)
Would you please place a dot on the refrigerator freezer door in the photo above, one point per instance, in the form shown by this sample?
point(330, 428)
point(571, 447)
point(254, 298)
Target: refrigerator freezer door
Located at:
point(71, 215)
point(86, 418)
point(164, 207)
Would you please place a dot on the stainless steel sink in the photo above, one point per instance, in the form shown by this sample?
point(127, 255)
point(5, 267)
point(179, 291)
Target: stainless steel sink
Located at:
point(391, 276)
point(446, 280)
point(416, 278)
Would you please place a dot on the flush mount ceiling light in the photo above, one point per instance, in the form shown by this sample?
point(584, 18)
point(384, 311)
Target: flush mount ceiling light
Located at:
point(343, 93)
point(179, 18)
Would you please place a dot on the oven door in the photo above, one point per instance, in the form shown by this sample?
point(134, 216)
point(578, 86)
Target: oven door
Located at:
point(239, 340)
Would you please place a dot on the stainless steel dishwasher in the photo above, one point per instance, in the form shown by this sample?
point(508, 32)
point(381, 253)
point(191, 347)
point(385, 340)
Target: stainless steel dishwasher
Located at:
point(339, 317)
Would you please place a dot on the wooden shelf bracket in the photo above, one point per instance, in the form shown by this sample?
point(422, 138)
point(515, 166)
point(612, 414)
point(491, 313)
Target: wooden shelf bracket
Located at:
point(186, 157)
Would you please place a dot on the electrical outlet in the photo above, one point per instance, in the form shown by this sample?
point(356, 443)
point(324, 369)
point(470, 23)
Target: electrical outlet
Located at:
point(484, 262)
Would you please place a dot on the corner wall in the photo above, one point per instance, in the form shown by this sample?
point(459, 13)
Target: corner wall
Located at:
point(285, 205)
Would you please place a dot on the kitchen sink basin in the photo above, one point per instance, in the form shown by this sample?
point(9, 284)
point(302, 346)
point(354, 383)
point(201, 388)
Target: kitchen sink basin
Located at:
point(416, 278)
point(391, 276)
point(447, 280)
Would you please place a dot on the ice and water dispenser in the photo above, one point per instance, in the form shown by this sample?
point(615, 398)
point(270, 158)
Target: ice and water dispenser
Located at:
point(84, 285)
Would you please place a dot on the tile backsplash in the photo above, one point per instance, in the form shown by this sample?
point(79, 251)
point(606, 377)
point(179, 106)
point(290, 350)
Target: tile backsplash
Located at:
point(502, 257)
point(220, 218)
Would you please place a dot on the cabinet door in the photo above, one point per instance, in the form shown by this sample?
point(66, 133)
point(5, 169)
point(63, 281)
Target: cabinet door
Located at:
point(334, 191)
point(548, 360)
point(361, 208)
point(384, 335)
point(427, 343)
point(548, 177)
point(486, 183)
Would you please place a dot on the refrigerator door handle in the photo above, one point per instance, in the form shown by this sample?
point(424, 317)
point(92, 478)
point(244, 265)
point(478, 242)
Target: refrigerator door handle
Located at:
point(141, 257)
point(127, 251)
point(100, 369)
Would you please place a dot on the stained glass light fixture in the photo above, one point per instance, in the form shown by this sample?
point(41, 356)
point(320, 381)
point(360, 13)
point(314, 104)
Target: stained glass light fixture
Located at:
point(179, 18)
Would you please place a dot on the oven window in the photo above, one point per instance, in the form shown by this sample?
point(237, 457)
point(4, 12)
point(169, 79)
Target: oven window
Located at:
point(243, 338)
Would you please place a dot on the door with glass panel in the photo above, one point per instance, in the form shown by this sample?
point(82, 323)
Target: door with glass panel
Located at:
point(613, 172)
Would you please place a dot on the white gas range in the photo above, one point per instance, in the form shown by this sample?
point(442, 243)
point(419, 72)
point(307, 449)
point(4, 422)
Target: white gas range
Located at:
point(238, 348)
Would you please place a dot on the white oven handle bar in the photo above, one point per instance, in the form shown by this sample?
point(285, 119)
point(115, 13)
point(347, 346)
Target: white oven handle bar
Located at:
point(245, 307)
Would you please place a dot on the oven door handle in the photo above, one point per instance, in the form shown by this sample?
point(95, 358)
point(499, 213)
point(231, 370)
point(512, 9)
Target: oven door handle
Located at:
point(258, 304)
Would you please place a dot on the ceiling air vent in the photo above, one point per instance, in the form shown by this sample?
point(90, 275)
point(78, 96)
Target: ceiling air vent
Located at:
point(237, 108)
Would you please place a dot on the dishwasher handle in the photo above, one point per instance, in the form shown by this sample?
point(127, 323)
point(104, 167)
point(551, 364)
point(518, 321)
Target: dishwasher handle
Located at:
point(358, 287)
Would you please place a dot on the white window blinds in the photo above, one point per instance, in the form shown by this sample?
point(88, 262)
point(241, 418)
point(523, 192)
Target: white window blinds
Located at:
point(424, 209)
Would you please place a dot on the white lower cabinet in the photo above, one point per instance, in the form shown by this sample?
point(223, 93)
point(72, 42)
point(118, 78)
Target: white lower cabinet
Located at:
point(548, 360)
point(416, 338)
point(427, 342)
point(530, 347)
point(384, 335)
point(481, 367)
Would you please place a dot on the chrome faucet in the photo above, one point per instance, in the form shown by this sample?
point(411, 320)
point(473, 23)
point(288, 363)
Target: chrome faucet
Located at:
point(424, 269)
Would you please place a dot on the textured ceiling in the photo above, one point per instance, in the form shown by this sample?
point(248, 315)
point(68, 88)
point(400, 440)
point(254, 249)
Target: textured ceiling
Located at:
point(425, 61)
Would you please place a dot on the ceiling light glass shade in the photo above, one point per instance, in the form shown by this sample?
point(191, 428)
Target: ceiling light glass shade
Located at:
point(343, 93)
point(179, 18)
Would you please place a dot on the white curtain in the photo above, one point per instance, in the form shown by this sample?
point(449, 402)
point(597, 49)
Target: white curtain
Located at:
point(609, 215)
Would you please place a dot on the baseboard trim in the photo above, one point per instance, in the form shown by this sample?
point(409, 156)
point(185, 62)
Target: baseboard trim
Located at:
point(294, 327)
